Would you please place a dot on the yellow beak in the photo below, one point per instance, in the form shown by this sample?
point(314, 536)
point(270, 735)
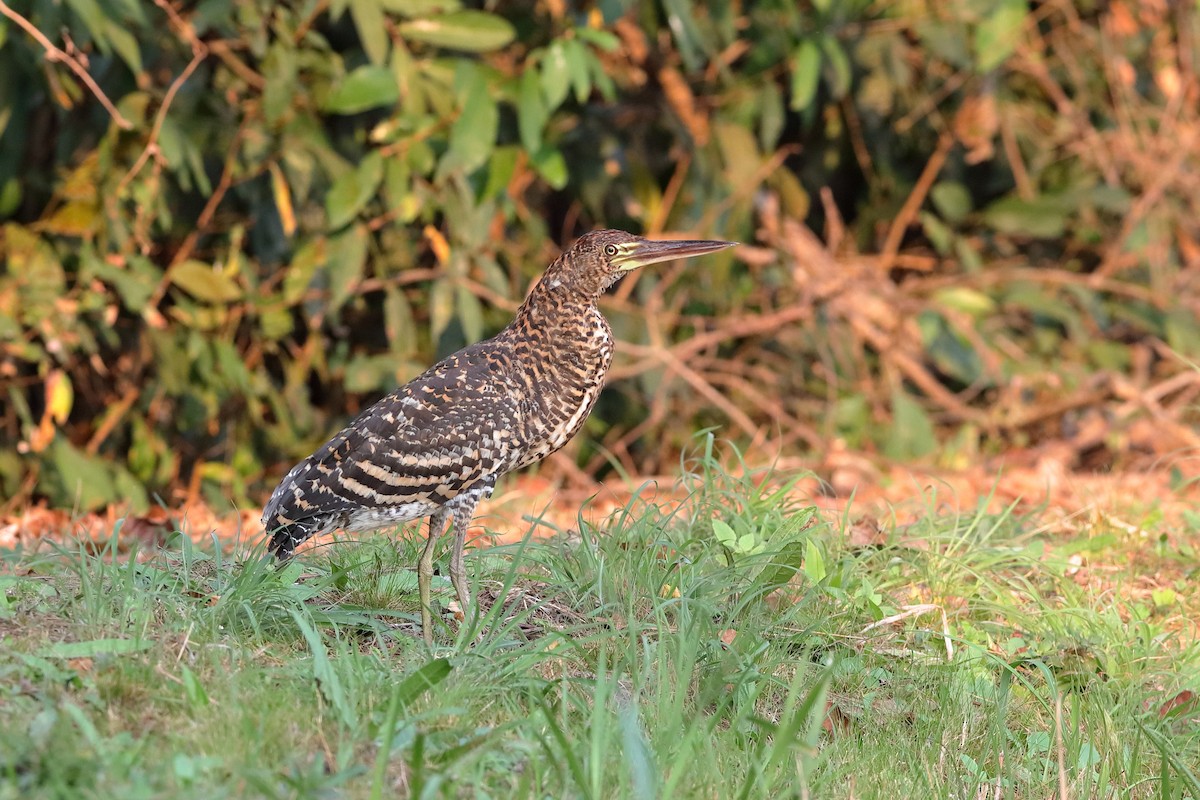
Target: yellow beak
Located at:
point(645, 252)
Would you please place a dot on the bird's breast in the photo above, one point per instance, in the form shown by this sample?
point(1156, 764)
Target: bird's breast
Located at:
point(564, 384)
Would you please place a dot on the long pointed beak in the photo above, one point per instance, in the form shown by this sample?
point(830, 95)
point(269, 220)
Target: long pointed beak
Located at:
point(648, 252)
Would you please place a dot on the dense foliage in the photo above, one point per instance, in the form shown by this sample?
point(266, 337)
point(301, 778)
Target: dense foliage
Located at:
point(290, 207)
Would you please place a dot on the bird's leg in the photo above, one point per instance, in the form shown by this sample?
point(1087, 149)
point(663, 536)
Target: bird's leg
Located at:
point(456, 568)
point(462, 518)
point(464, 510)
point(425, 574)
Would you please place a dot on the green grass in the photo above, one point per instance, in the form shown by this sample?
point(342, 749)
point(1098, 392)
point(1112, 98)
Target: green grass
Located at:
point(607, 668)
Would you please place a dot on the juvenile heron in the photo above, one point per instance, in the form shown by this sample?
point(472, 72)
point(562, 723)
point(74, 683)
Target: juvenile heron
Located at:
point(435, 446)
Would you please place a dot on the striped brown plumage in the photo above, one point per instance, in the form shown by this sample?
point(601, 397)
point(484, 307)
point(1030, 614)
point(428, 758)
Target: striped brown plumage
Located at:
point(435, 446)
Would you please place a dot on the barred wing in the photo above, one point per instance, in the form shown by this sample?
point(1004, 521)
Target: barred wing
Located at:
point(405, 456)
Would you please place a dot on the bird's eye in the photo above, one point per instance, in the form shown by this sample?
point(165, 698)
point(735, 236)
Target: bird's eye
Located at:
point(610, 250)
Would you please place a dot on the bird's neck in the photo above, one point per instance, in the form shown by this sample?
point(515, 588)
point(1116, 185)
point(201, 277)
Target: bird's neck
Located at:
point(552, 303)
point(558, 316)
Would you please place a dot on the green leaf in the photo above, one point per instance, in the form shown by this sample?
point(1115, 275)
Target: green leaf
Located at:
point(78, 219)
point(940, 235)
point(1034, 300)
point(806, 74)
point(555, 80)
point(135, 282)
point(203, 282)
point(577, 68)
point(279, 70)
point(501, 167)
point(300, 272)
point(128, 490)
point(415, 684)
point(353, 190)
point(739, 150)
point(469, 31)
point(782, 568)
point(968, 255)
point(814, 562)
point(950, 352)
point(10, 190)
point(1164, 597)
point(795, 200)
point(371, 24)
point(1108, 355)
point(365, 373)
point(772, 116)
point(531, 112)
point(347, 262)
point(275, 323)
point(1044, 217)
point(997, 35)
point(969, 301)
point(96, 647)
point(421, 680)
point(421, 158)
point(948, 40)
point(470, 314)
point(685, 29)
point(125, 44)
point(1088, 757)
point(441, 308)
point(398, 323)
point(396, 583)
point(837, 65)
point(724, 534)
point(951, 199)
point(551, 166)
point(93, 17)
point(365, 88)
point(402, 201)
point(601, 81)
point(420, 8)
point(474, 132)
point(911, 435)
point(323, 671)
point(47, 670)
point(605, 40)
point(1183, 332)
point(193, 689)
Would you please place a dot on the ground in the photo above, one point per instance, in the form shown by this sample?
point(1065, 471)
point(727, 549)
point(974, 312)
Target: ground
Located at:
point(1021, 633)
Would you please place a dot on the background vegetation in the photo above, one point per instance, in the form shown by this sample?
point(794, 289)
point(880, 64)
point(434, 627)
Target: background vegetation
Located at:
point(228, 226)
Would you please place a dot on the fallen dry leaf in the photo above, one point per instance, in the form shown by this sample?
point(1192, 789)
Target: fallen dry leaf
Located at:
point(80, 665)
point(1184, 703)
point(836, 720)
point(866, 532)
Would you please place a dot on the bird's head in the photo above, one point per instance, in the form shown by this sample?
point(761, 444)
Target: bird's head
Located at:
point(598, 259)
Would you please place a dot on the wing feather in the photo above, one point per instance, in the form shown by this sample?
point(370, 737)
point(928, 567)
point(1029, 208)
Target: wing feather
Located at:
point(411, 452)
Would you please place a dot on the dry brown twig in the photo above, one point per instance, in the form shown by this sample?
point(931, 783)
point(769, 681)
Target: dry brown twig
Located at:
point(666, 357)
point(223, 50)
point(908, 212)
point(54, 53)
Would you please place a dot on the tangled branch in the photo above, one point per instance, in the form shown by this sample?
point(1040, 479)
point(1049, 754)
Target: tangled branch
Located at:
point(54, 53)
